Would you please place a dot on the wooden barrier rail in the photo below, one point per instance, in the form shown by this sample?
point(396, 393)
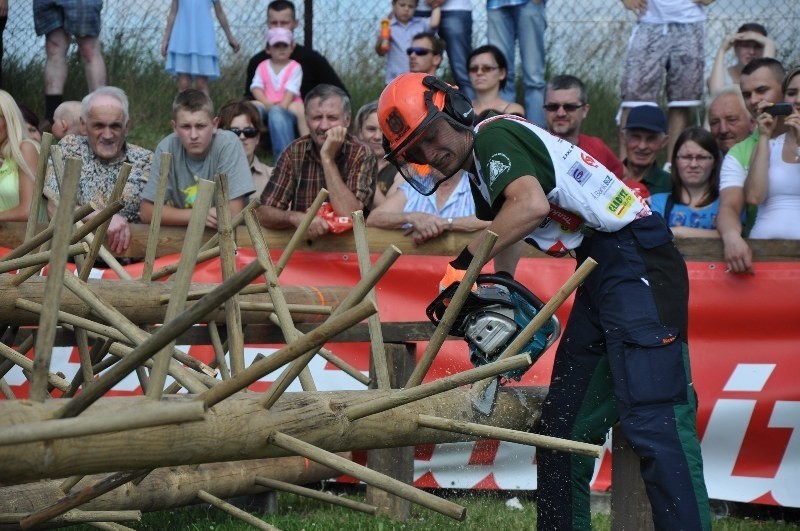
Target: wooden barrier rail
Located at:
point(449, 244)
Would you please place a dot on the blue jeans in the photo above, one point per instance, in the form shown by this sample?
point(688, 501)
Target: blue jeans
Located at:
point(527, 24)
point(282, 127)
point(456, 30)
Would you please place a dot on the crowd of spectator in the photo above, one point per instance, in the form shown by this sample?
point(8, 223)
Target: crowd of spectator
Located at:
point(296, 107)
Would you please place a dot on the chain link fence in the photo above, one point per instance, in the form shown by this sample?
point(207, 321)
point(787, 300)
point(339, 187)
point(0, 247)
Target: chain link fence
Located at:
point(587, 38)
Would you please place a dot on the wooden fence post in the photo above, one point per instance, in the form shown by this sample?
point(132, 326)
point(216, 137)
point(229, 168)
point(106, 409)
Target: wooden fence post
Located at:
point(397, 463)
point(630, 507)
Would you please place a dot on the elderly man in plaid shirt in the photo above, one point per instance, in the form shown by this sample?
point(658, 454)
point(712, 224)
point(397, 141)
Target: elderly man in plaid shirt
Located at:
point(327, 158)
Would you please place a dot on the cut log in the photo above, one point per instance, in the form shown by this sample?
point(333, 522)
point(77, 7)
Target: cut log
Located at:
point(237, 428)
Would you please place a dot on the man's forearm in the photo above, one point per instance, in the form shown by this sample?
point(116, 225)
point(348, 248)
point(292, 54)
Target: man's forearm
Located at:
point(341, 198)
point(275, 218)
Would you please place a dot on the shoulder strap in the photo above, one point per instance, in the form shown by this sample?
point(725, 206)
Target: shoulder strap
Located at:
point(668, 207)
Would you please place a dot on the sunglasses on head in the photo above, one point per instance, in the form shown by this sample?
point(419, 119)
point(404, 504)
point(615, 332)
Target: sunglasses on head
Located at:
point(483, 69)
point(422, 52)
point(569, 107)
point(248, 132)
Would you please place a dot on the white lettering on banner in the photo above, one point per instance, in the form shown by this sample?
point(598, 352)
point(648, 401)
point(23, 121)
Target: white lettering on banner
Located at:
point(727, 426)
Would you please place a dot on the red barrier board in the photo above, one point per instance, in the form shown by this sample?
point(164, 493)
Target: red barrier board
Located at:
point(744, 342)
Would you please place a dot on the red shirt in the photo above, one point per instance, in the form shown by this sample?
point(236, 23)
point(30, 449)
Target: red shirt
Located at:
point(601, 152)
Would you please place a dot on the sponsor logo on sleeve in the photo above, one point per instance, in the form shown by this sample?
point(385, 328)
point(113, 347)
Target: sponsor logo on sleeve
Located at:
point(621, 202)
point(589, 160)
point(499, 164)
point(607, 180)
point(579, 172)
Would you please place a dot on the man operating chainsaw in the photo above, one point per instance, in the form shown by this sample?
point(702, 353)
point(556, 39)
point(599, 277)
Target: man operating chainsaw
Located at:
point(623, 355)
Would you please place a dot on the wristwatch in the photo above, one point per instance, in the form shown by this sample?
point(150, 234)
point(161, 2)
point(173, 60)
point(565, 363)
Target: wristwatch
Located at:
point(449, 223)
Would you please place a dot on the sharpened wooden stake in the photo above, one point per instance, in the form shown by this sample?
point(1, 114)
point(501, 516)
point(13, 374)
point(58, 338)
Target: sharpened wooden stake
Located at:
point(412, 394)
point(48, 321)
point(282, 317)
point(234, 511)
point(459, 297)
point(300, 234)
point(503, 434)
point(541, 317)
point(182, 283)
point(155, 221)
point(274, 484)
point(374, 322)
point(370, 477)
point(163, 336)
point(334, 325)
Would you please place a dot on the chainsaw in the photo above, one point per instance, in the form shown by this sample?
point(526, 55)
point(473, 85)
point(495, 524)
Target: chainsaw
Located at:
point(494, 313)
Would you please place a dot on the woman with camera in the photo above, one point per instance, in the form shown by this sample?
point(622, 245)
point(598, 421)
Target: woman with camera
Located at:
point(773, 180)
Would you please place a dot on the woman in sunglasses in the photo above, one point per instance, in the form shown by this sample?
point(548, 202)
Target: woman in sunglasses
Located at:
point(241, 118)
point(487, 71)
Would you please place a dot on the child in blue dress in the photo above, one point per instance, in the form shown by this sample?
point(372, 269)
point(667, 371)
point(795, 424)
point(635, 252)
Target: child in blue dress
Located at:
point(190, 46)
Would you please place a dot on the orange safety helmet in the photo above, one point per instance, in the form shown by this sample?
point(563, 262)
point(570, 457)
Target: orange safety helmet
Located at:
point(404, 106)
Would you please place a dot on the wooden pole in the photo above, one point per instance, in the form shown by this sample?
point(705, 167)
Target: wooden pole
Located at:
point(233, 316)
point(100, 235)
point(293, 308)
point(490, 432)
point(40, 375)
point(169, 269)
point(300, 233)
point(162, 337)
point(213, 241)
point(541, 317)
point(194, 232)
point(167, 488)
point(274, 484)
point(630, 506)
point(282, 316)
point(459, 297)
point(234, 511)
point(370, 477)
point(157, 414)
point(357, 294)
point(412, 394)
point(374, 322)
point(38, 185)
point(77, 517)
point(83, 229)
point(155, 222)
point(325, 331)
point(77, 499)
point(39, 259)
point(219, 352)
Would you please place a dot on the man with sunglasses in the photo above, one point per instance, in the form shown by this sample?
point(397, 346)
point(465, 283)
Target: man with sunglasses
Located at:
point(623, 354)
point(565, 108)
point(425, 53)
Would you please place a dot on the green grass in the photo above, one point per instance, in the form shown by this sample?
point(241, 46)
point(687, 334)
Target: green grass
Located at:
point(485, 511)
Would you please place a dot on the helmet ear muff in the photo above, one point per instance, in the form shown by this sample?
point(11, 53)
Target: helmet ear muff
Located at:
point(456, 105)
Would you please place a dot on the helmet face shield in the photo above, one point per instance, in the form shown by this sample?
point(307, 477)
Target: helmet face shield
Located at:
point(433, 153)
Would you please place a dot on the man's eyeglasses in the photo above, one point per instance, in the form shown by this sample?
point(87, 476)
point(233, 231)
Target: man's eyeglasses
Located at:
point(483, 69)
point(422, 52)
point(248, 132)
point(568, 107)
point(696, 158)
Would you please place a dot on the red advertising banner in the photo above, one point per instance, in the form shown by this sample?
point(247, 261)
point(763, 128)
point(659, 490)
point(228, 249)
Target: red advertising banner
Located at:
point(744, 343)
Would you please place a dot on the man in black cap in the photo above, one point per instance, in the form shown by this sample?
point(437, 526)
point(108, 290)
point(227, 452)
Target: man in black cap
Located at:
point(644, 136)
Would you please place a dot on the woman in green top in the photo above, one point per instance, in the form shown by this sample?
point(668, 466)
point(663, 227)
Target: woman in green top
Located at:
point(19, 156)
